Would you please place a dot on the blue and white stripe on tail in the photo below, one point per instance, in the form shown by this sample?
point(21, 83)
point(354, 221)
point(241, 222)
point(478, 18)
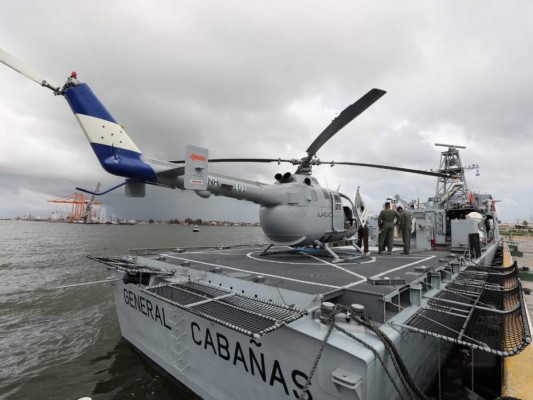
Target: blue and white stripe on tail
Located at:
point(115, 150)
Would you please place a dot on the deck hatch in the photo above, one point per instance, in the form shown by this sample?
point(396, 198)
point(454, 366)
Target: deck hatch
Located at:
point(482, 310)
point(248, 315)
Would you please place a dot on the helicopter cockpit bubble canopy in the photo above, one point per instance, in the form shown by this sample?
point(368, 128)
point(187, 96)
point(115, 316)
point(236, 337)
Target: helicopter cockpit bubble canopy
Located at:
point(196, 161)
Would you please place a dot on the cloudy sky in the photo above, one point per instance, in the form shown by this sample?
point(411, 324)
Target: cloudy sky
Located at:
point(251, 79)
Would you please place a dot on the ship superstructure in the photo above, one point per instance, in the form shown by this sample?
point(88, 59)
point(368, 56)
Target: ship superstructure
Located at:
point(454, 212)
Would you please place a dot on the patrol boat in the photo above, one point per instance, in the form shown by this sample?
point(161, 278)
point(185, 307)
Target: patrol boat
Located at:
point(236, 322)
point(296, 319)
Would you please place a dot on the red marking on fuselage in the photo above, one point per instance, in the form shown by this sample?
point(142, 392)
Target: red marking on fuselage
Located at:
point(196, 157)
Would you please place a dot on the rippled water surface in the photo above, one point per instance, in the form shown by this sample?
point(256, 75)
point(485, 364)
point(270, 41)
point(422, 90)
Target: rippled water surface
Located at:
point(66, 344)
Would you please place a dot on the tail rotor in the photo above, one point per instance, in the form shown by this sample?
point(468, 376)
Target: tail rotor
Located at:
point(26, 70)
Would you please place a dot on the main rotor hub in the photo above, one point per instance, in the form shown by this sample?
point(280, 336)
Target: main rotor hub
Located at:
point(305, 165)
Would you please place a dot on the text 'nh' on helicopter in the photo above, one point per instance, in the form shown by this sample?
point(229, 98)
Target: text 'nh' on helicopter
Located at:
point(295, 210)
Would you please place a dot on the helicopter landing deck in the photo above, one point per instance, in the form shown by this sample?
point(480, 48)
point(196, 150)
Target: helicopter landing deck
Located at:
point(311, 271)
point(304, 267)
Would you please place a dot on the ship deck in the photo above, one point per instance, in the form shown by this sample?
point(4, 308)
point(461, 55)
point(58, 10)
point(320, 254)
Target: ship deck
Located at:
point(465, 302)
point(309, 271)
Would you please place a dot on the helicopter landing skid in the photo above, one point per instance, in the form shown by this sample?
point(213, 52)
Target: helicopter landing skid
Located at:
point(319, 249)
point(288, 250)
point(342, 255)
point(265, 250)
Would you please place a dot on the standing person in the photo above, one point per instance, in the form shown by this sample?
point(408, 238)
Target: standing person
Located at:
point(405, 229)
point(362, 238)
point(386, 220)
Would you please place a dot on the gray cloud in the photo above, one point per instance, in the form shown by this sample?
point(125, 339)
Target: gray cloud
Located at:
point(251, 80)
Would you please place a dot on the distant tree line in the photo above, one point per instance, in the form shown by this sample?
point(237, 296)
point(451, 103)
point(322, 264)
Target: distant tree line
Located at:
point(189, 221)
point(198, 221)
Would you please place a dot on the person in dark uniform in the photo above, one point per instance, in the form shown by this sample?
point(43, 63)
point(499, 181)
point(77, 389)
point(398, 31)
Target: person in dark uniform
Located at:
point(386, 221)
point(405, 225)
point(362, 237)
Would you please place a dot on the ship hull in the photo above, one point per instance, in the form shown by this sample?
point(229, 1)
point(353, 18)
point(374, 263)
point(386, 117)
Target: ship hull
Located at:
point(206, 357)
point(215, 358)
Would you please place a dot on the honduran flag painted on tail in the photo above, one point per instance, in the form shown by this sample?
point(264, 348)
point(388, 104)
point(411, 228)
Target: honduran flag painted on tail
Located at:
point(115, 150)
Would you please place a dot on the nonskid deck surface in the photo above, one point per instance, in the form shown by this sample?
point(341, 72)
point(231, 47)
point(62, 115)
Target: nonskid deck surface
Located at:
point(448, 296)
point(311, 271)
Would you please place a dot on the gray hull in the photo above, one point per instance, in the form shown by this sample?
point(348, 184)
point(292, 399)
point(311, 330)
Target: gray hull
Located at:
point(229, 323)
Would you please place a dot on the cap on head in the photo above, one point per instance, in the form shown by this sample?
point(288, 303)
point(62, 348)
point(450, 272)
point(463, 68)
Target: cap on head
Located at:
point(74, 74)
point(387, 204)
point(400, 208)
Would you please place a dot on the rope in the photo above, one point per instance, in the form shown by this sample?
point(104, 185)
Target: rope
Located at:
point(405, 378)
point(377, 355)
point(474, 341)
point(403, 373)
point(330, 317)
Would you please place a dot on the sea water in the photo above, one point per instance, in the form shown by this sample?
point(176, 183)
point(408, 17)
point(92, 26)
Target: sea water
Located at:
point(66, 343)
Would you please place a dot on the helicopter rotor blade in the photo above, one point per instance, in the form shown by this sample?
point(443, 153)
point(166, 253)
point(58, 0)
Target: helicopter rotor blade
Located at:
point(409, 170)
point(26, 70)
point(251, 160)
point(344, 118)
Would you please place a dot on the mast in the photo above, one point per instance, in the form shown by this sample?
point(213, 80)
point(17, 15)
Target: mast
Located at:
point(454, 190)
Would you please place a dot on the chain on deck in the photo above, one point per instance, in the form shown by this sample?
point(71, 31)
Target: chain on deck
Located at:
point(482, 308)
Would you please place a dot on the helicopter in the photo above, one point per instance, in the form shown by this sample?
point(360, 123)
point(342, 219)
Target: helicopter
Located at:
point(295, 210)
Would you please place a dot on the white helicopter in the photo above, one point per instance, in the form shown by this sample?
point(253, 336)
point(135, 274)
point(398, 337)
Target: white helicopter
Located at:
point(294, 211)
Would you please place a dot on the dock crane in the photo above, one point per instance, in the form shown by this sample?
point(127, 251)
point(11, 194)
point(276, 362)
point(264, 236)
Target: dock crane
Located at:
point(81, 206)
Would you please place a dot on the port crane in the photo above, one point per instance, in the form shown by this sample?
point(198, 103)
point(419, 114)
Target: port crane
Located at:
point(81, 206)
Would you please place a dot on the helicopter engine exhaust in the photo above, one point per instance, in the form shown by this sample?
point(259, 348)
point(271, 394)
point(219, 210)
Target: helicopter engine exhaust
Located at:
point(287, 177)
